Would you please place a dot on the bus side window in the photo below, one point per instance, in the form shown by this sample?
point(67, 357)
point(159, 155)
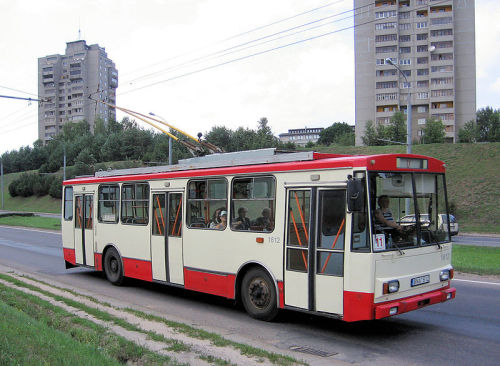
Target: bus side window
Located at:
point(207, 199)
point(252, 203)
point(135, 203)
point(68, 203)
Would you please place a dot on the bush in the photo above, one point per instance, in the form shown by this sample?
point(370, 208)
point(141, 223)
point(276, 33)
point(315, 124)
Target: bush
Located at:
point(55, 189)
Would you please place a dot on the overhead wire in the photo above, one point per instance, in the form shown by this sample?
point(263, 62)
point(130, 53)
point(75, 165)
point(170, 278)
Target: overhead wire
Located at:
point(240, 34)
point(252, 43)
point(260, 53)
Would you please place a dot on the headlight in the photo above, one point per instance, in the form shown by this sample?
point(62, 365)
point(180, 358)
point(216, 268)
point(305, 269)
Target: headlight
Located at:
point(391, 286)
point(444, 275)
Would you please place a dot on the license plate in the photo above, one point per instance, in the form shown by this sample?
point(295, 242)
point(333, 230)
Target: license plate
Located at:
point(417, 281)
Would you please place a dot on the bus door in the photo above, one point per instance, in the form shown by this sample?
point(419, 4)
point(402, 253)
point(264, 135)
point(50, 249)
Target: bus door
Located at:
point(314, 255)
point(166, 238)
point(84, 229)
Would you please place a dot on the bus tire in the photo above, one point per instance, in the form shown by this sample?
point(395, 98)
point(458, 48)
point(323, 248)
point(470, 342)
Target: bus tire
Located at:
point(258, 295)
point(113, 267)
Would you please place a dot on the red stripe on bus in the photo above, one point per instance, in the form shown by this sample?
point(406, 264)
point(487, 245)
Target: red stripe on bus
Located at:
point(69, 255)
point(358, 306)
point(98, 261)
point(136, 268)
point(210, 283)
point(371, 162)
point(281, 294)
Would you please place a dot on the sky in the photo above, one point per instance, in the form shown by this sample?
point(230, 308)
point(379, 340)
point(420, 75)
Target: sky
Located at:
point(193, 63)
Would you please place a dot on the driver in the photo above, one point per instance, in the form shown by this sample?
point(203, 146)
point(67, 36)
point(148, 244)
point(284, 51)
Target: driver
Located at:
point(383, 215)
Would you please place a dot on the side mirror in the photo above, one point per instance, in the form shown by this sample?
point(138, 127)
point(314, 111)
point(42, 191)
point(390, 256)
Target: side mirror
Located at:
point(355, 195)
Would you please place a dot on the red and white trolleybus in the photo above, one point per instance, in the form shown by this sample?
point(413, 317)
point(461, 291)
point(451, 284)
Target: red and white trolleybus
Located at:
point(275, 230)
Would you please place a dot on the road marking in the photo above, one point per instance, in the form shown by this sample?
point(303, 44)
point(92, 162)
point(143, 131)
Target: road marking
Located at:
point(29, 229)
point(481, 282)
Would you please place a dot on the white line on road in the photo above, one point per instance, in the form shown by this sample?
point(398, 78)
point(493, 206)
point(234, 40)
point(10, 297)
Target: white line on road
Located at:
point(28, 229)
point(481, 282)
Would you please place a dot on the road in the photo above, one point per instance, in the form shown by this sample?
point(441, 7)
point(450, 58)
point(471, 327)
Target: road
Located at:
point(481, 240)
point(465, 331)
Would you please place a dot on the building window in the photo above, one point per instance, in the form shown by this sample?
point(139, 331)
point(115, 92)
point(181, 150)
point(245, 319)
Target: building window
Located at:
point(421, 121)
point(386, 37)
point(405, 38)
point(405, 61)
point(441, 32)
point(423, 84)
point(385, 14)
point(207, 203)
point(135, 204)
point(382, 26)
point(423, 95)
point(422, 72)
point(386, 49)
point(404, 15)
point(422, 48)
point(422, 109)
point(441, 21)
point(405, 50)
point(420, 25)
point(422, 60)
point(405, 26)
point(386, 84)
point(422, 36)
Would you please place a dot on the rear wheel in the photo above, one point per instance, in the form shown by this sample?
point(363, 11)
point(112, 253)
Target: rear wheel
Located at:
point(258, 294)
point(113, 267)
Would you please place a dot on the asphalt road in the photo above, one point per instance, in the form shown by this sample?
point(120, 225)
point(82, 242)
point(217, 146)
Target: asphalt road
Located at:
point(480, 240)
point(465, 331)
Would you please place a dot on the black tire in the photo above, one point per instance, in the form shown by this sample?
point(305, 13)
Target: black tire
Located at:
point(113, 267)
point(258, 295)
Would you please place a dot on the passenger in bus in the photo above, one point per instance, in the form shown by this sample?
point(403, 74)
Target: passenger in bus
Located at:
point(265, 221)
point(383, 215)
point(216, 220)
point(242, 222)
point(223, 221)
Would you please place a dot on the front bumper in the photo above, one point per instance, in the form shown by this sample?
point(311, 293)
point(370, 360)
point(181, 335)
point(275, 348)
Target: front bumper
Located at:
point(413, 303)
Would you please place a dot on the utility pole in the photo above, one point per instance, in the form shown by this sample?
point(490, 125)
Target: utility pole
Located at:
point(1, 175)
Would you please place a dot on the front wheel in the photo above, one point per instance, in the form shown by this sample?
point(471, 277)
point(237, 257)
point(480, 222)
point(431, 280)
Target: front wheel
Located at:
point(258, 294)
point(113, 267)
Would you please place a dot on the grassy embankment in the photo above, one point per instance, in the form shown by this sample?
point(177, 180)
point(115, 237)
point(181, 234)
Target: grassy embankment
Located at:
point(472, 178)
point(475, 259)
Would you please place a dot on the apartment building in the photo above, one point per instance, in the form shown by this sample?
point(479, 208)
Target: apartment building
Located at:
point(65, 83)
point(433, 43)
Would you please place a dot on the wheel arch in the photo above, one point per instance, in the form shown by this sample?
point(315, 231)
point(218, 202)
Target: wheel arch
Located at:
point(106, 248)
point(247, 266)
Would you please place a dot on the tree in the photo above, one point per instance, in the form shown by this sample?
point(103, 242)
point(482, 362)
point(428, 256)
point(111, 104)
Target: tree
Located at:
point(488, 124)
point(374, 136)
point(333, 133)
point(396, 131)
point(469, 133)
point(433, 132)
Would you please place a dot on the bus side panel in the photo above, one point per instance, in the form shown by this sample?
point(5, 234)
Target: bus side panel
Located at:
point(358, 306)
point(210, 283)
point(69, 255)
point(138, 269)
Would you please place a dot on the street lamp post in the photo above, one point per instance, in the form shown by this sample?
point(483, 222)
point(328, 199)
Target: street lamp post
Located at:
point(169, 139)
point(408, 107)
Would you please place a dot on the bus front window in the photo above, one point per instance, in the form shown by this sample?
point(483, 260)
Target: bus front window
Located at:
point(407, 210)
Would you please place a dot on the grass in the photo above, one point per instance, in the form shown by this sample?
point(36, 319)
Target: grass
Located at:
point(476, 259)
point(102, 315)
point(190, 331)
point(28, 204)
point(32, 221)
point(39, 333)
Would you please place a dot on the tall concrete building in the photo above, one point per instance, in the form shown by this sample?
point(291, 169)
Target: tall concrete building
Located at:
point(433, 43)
point(65, 83)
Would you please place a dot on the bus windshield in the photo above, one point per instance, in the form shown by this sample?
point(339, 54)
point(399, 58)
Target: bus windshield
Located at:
point(408, 210)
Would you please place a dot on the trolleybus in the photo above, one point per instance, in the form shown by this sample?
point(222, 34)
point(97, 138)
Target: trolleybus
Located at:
point(274, 230)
